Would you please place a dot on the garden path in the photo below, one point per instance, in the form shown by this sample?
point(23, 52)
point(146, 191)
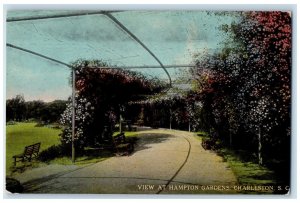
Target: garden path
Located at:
point(164, 161)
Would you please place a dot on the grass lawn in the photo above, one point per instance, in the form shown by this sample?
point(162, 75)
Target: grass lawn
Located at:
point(247, 172)
point(22, 134)
point(200, 134)
point(128, 133)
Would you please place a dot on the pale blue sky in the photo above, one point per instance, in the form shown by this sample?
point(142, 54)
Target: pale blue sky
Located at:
point(173, 36)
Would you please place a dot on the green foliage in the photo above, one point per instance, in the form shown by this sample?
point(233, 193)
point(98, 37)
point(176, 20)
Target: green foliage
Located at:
point(17, 109)
point(53, 152)
point(35, 110)
point(52, 111)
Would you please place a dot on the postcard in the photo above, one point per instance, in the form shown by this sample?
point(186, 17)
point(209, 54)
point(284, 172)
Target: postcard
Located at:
point(148, 102)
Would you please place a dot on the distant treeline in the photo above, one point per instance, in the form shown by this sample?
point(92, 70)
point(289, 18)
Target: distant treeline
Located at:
point(17, 109)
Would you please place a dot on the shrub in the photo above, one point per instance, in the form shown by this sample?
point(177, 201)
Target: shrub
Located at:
point(211, 143)
point(53, 152)
point(13, 185)
point(11, 123)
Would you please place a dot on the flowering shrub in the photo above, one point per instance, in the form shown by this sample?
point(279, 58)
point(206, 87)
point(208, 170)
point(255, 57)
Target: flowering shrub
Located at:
point(246, 86)
point(83, 117)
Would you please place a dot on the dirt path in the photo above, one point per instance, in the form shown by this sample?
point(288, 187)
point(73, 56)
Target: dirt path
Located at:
point(164, 161)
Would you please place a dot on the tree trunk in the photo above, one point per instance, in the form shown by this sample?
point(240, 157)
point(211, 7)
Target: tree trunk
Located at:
point(120, 124)
point(260, 161)
point(170, 120)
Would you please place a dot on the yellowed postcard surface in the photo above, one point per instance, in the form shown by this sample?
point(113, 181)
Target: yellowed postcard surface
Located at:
point(148, 102)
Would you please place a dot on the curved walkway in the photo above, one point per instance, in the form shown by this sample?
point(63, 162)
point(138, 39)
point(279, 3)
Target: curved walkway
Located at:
point(164, 161)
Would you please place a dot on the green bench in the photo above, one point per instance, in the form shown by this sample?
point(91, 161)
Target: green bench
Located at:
point(30, 152)
point(122, 147)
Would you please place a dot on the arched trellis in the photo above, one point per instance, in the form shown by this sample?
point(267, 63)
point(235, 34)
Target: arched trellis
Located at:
point(111, 17)
point(120, 25)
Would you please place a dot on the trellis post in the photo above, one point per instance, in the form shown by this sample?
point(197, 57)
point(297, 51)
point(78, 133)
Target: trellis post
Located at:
point(170, 119)
point(73, 115)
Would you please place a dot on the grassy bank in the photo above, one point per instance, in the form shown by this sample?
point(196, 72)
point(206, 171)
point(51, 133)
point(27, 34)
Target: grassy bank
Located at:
point(246, 170)
point(20, 135)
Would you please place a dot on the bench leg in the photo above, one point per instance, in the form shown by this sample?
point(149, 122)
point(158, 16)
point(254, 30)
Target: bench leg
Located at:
point(129, 149)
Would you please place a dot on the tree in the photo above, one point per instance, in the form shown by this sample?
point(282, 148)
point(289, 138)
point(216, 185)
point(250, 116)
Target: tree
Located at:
point(52, 111)
point(15, 108)
point(267, 42)
point(35, 109)
point(20, 110)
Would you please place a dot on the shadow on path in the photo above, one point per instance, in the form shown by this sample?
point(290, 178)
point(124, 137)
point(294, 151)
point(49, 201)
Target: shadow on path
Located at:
point(146, 140)
point(142, 142)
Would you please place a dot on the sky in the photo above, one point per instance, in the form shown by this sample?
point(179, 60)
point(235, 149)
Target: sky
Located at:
point(173, 36)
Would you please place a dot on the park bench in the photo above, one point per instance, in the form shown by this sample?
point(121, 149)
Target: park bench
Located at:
point(127, 125)
point(121, 146)
point(31, 151)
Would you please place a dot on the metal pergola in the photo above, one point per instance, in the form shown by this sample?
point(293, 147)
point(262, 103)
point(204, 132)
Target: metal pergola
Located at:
point(115, 21)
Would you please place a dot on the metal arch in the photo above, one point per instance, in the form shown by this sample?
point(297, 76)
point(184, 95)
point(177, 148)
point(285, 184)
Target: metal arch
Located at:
point(140, 42)
point(37, 54)
point(121, 67)
point(149, 66)
point(15, 19)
